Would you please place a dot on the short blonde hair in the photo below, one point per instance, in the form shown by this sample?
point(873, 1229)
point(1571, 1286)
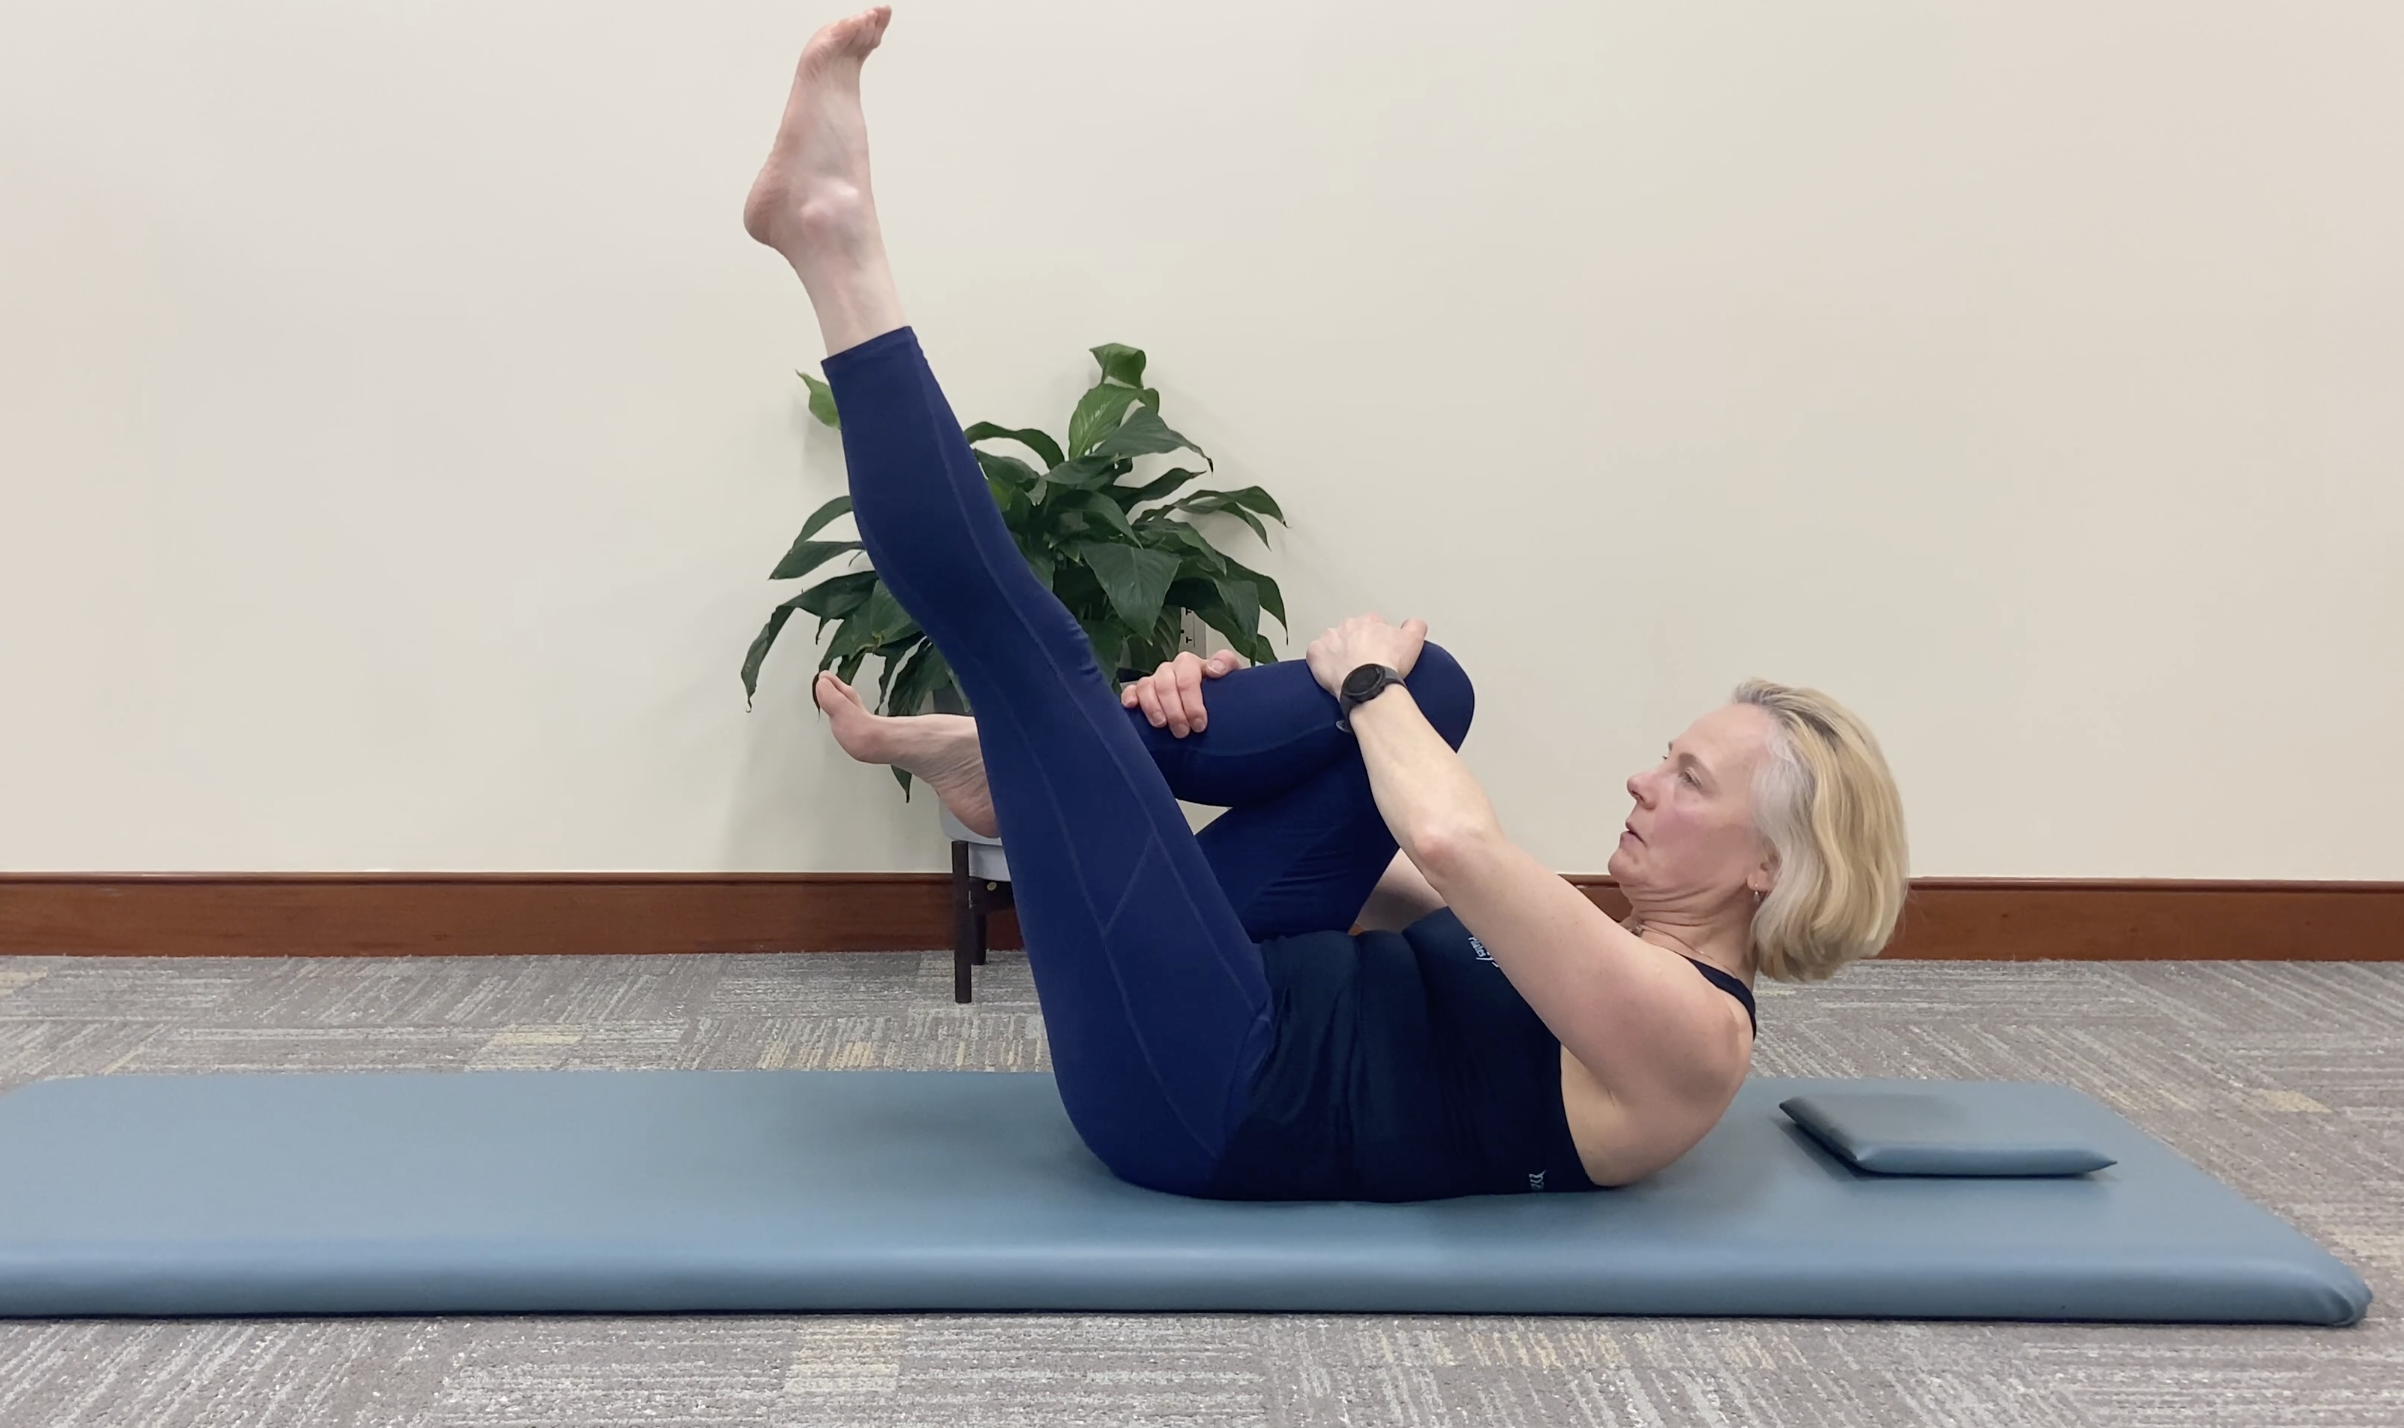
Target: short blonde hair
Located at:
point(1828, 807)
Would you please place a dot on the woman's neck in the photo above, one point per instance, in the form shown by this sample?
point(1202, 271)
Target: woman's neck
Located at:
point(1717, 942)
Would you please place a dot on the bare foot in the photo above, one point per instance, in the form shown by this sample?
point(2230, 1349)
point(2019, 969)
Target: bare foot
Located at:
point(940, 748)
point(811, 200)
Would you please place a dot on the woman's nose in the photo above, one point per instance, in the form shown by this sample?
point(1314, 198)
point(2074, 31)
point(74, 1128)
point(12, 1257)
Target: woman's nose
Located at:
point(1636, 786)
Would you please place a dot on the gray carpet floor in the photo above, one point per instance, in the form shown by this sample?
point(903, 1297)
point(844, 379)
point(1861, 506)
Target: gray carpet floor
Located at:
point(2284, 1079)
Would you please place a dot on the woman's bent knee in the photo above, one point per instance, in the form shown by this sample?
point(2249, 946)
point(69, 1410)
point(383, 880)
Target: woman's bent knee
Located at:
point(1441, 689)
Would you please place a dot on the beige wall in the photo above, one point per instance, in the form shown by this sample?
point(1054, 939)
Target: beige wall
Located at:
point(396, 426)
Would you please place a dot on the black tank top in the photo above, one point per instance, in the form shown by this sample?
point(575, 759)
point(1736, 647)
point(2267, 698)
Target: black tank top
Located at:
point(1406, 1067)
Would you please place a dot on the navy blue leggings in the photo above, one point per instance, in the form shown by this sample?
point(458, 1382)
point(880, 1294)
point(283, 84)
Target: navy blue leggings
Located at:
point(1143, 936)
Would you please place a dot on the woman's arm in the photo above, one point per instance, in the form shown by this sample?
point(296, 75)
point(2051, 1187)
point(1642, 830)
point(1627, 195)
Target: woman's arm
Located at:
point(1628, 1011)
point(1402, 897)
point(1425, 792)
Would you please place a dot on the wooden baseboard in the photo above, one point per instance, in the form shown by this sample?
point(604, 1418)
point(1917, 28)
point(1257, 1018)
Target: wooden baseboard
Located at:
point(484, 914)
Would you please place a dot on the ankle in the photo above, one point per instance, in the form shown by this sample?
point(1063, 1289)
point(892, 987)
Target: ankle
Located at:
point(853, 304)
point(833, 226)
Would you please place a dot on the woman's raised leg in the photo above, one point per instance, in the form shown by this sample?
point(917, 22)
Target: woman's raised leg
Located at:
point(1154, 997)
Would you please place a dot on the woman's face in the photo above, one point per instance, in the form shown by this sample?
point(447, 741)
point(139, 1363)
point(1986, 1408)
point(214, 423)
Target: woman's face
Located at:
point(1690, 842)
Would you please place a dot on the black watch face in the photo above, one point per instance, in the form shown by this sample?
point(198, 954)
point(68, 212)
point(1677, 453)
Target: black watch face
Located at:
point(1362, 680)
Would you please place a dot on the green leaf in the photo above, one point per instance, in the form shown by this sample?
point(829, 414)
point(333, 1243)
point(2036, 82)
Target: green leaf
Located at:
point(1104, 511)
point(839, 506)
point(1240, 629)
point(1129, 497)
point(1120, 363)
point(1079, 588)
point(1014, 504)
point(808, 555)
point(1136, 580)
point(1198, 550)
point(919, 676)
point(887, 617)
point(852, 642)
point(1145, 434)
point(1013, 482)
point(1242, 599)
point(1189, 591)
point(1083, 473)
point(822, 401)
point(1109, 647)
point(1250, 498)
point(1154, 649)
point(891, 655)
point(1248, 643)
point(1208, 502)
point(1008, 470)
point(837, 598)
point(1028, 437)
point(1240, 504)
point(1098, 413)
point(1271, 598)
point(759, 650)
point(880, 620)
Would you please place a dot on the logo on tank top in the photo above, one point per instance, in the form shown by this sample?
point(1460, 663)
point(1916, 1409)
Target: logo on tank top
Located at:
point(1482, 954)
point(1536, 1181)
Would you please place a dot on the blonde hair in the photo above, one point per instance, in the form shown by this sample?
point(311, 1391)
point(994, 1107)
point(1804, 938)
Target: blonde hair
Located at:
point(1827, 806)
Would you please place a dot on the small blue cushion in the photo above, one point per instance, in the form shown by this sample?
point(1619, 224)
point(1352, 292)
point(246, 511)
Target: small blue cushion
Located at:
point(1930, 1133)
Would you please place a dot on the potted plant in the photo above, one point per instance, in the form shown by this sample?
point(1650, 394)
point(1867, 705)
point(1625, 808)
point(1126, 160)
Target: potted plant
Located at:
point(1129, 575)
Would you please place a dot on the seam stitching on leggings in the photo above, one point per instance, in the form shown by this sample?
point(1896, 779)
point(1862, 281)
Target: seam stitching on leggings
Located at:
point(957, 497)
point(927, 392)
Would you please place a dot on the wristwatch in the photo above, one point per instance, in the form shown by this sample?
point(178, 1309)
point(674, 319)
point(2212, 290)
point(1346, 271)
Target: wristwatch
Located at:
point(1361, 686)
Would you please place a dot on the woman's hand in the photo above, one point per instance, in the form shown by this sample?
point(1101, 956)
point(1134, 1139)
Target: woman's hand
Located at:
point(1365, 639)
point(1172, 694)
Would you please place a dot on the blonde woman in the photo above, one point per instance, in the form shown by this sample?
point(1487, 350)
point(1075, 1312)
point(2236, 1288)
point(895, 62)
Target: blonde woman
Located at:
point(1216, 1028)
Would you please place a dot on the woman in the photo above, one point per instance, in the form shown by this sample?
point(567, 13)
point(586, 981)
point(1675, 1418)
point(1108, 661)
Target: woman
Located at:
point(1215, 1028)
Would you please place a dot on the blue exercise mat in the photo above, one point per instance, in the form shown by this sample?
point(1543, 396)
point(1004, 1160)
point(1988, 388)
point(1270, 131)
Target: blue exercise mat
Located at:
point(685, 1191)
